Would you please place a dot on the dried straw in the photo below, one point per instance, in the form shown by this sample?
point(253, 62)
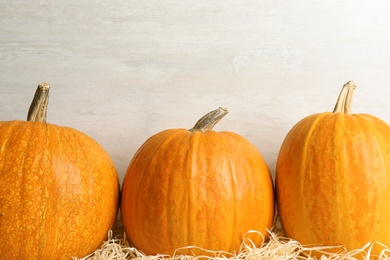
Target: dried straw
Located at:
point(277, 246)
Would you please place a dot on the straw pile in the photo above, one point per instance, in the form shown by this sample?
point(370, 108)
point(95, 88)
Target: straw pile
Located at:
point(277, 246)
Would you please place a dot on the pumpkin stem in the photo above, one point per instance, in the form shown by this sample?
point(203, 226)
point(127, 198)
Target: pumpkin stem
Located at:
point(38, 108)
point(208, 121)
point(344, 101)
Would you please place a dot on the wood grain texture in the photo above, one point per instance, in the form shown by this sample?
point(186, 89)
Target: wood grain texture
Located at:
point(134, 68)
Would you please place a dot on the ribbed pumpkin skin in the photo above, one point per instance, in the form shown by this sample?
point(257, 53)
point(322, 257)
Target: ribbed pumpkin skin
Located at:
point(333, 180)
point(58, 192)
point(196, 189)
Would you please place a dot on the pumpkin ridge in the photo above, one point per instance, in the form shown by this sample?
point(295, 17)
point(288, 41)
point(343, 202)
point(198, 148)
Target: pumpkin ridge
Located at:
point(220, 138)
point(371, 124)
point(22, 190)
point(96, 192)
point(248, 148)
point(55, 145)
point(340, 172)
point(46, 162)
point(190, 160)
point(264, 177)
point(365, 133)
point(232, 150)
point(158, 141)
point(317, 178)
point(5, 129)
point(251, 154)
point(30, 175)
point(44, 195)
point(384, 145)
point(185, 138)
point(303, 154)
point(233, 179)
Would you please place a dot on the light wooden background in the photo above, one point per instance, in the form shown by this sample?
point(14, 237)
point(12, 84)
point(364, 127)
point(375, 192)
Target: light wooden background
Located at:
point(122, 71)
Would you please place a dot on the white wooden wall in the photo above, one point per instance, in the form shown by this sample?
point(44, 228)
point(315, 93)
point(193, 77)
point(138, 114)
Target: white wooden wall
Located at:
point(122, 71)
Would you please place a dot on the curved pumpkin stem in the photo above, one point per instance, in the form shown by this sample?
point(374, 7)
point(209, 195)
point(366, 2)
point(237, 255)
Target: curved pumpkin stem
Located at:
point(344, 101)
point(208, 121)
point(38, 108)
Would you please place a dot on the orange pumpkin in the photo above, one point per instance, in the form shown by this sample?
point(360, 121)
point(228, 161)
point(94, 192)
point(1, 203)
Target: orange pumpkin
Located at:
point(333, 178)
point(59, 189)
point(198, 188)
